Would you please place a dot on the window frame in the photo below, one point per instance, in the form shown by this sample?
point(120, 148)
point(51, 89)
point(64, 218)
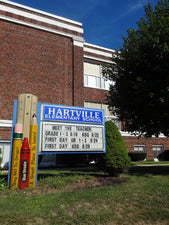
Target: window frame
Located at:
point(157, 153)
point(162, 148)
point(144, 148)
point(104, 84)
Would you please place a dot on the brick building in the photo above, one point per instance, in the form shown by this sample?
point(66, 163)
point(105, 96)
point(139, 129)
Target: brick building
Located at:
point(46, 55)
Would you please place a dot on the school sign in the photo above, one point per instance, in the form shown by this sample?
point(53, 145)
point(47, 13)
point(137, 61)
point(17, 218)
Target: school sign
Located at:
point(69, 129)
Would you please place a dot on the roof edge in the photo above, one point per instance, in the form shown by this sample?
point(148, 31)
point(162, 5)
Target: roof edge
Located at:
point(41, 12)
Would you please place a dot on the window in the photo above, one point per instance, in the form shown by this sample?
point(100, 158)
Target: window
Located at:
point(97, 105)
point(93, 77)
point(5, 152)
point(108, 115)
point(157, 150)
point(139, 148)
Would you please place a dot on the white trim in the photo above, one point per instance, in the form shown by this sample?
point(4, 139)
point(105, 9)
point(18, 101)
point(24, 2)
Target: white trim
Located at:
point(127, 134)
point(41, 12)
point(101, 48)
point(157, 146)
point(41, 19)
point(78, 42)
point(37, 26)
point(98, 59)
point(5, 141)
point(5, 123)
point(98, 52)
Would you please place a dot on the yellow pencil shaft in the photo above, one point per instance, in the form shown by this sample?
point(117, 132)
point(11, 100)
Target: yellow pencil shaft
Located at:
point(33, 155)
point(17, 143)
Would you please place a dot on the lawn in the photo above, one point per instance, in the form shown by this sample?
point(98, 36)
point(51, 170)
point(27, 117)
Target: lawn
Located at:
point(141, 196)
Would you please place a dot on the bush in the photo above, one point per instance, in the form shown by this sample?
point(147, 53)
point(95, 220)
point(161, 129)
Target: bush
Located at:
point(116, 159)
point(0, 161)
point(166, 155)
point(2, 180)
point(137, 156)
point(2, 183)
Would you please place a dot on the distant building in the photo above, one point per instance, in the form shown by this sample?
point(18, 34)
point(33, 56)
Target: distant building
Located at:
point(46, 55)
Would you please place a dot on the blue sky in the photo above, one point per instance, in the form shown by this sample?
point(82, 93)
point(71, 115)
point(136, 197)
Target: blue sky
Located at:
point(104, 21)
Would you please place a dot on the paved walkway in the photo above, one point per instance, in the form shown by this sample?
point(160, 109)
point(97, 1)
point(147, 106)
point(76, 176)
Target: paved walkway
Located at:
point(162, 164)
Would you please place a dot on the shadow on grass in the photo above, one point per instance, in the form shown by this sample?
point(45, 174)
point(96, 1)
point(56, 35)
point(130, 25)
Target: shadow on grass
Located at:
point(133, 170)
point(52, 172)
point(154, 170)
point(65, 172)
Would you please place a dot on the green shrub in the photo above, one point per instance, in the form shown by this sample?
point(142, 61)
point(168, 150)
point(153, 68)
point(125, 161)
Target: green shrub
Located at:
point(2, 180)
point(166, 155)
point(0, 161)
point(137, 156)
point(2, 183)
point(116, 159)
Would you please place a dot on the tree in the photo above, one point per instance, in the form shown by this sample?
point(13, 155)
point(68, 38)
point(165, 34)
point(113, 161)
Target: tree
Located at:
point(116, 158)
point(140, 96)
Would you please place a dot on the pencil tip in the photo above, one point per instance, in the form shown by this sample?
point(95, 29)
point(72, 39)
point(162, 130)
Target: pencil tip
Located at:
point(34, 115)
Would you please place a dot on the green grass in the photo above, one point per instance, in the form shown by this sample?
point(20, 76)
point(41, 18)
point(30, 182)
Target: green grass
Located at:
point(60, 181)
point(143, 199)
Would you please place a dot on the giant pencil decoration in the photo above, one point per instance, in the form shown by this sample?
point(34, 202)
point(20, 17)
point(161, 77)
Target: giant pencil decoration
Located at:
point(24, 165)
point(33, 151)
point(17, 143)
point(26, 107)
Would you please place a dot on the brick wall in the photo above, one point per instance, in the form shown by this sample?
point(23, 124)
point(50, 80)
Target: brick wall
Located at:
point(35, 62)
point(149, 142)
point(5, 133)
point(95, 95)
point(78, 86)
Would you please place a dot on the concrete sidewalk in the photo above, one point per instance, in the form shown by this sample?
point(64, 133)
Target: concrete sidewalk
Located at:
point(162, 164)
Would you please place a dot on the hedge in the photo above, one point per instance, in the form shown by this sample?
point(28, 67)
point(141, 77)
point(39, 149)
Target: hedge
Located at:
point(166, 155)
point(137, 156)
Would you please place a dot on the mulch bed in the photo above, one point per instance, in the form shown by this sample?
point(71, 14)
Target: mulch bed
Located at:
point(86, 183)
point(96, 182)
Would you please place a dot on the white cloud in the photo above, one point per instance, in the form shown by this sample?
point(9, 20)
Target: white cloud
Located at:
point(136, 5)
point(132, 8)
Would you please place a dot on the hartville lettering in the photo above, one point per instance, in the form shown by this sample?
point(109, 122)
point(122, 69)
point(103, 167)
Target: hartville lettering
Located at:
point(72, 114)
